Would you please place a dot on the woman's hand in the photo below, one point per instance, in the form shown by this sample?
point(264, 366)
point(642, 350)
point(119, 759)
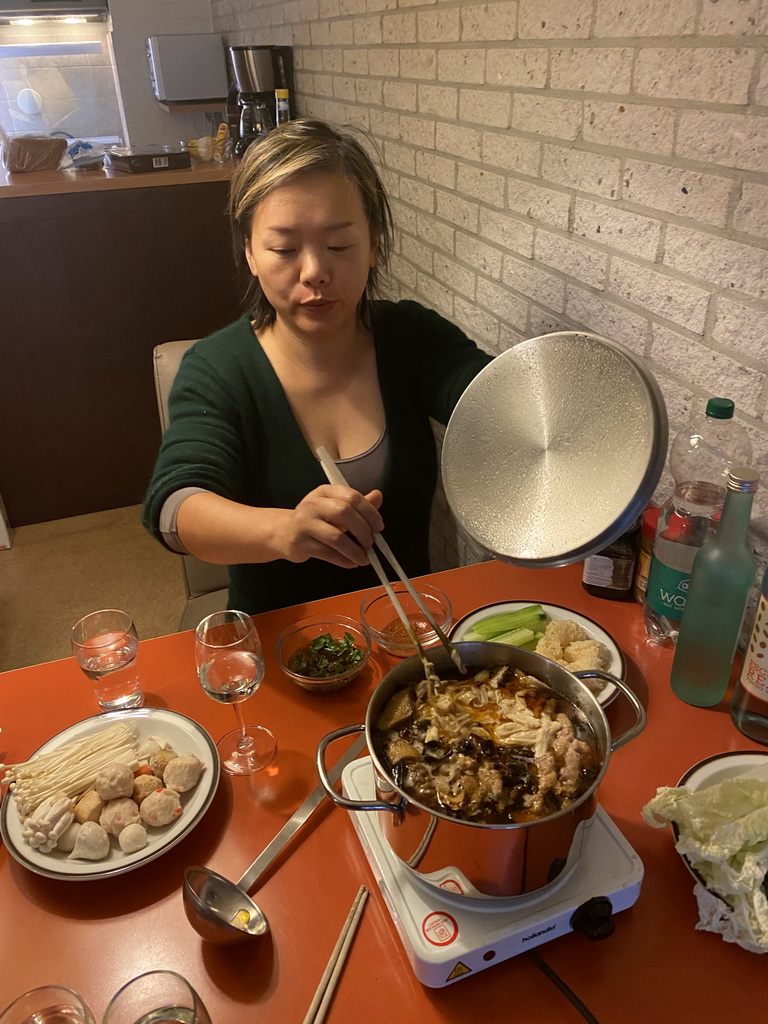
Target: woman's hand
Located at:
point(334, 524)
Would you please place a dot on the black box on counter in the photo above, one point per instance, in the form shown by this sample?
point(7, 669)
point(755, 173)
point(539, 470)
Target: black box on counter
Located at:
point(147, 158)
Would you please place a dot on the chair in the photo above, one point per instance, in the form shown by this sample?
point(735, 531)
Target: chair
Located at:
point(206, 585)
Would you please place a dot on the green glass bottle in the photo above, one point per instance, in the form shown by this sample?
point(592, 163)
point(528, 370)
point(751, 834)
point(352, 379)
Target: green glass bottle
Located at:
point(721, 577)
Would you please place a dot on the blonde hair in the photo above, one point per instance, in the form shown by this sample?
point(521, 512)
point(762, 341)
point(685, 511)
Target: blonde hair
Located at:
point(295, 148)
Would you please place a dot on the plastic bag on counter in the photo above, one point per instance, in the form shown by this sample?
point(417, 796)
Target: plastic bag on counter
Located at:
point(23, 153)
point(208, 148)
point(82, 154)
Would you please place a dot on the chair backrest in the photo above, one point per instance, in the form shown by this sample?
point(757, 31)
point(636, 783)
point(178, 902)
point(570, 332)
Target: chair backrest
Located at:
point(449, 545)
point(200, 578)
point(167, 359)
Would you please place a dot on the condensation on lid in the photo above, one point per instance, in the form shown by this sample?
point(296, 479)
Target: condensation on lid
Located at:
point(554, 449)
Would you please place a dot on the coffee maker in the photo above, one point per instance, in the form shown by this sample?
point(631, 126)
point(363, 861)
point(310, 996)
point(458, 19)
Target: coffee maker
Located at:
point(256, 72)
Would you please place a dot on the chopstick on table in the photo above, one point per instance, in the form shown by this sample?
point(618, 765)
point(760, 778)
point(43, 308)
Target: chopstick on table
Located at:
point(335, 476)
point(318, 1008)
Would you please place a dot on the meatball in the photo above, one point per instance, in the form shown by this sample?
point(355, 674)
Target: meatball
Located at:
point(117, 814)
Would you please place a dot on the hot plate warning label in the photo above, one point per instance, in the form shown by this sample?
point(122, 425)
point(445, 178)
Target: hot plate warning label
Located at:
point(439, 928)
point(458, 971)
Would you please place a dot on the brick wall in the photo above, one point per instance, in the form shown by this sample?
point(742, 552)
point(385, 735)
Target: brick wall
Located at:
point(587, 164)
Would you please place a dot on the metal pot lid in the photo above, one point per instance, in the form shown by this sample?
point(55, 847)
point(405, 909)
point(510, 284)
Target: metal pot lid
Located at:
point(554, 449)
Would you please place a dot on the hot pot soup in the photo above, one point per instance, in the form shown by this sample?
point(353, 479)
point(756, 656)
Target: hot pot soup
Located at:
point(499, 748)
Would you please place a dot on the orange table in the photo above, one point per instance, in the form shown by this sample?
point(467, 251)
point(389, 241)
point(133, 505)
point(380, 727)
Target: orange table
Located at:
point(96, 935)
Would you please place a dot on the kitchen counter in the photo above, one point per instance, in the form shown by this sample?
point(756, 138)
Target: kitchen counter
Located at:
point(47, 183)
point(102, 266)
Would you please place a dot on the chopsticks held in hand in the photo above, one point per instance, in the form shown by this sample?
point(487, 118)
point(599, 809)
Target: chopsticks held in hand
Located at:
point(335, 476)
point(319, 1006)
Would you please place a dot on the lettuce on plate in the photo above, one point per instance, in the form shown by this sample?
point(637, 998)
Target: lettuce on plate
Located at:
point(723, 832)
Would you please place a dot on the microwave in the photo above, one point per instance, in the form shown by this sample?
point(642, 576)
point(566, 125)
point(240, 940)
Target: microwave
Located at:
point(188, 68)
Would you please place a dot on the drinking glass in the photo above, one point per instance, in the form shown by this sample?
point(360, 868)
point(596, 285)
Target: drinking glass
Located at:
point(230, 667)
point(106, 647)
point(158, 997)
point(50, 1004)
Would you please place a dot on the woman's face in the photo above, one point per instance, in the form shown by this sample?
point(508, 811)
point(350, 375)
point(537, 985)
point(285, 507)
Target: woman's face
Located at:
point(311, 249)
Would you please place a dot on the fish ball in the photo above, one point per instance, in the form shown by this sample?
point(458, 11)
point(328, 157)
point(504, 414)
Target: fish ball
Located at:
point(114, 780)
point(182, 773)
point(68, 837)
point(133, 838)
point(92, 843)
point(160, 807)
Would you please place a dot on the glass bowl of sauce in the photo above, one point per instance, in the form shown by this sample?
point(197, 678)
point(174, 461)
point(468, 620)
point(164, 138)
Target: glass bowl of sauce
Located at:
point(383, 623)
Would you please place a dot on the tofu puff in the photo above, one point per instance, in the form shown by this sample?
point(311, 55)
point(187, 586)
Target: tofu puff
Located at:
point(160, 808)
point(143, 785)
point(89, 807)
point(569, 644)
point(159, 760)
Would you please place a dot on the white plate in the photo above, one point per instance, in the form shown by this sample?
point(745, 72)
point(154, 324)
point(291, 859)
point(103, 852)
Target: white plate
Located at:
point(720, 767)
point(184, 736)
point(617, 666)
point(709, 772)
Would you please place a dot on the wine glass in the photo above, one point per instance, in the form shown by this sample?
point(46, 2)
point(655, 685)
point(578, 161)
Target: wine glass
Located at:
point(230, 667)
point(157, 997)
point(49, 1004)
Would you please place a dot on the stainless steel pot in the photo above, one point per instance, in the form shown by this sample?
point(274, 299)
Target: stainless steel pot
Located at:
point(484, 861)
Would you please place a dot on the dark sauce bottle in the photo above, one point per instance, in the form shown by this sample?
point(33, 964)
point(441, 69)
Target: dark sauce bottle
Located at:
point(611, 572)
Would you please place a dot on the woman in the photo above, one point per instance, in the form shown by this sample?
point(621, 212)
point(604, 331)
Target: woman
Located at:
point(318, 361)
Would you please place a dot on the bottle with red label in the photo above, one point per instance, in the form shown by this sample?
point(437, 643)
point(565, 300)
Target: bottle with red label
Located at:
point(749, 707)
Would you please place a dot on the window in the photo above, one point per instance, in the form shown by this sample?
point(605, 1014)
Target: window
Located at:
point(59, 79)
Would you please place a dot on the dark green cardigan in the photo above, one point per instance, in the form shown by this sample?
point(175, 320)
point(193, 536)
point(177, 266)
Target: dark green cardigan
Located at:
point(232, 432)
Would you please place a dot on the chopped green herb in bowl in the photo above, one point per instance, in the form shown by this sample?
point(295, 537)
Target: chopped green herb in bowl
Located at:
point(320, 653)
point(326, 656)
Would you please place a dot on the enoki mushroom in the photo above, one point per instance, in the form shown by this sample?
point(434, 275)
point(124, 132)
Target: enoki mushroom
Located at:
point(70, 769)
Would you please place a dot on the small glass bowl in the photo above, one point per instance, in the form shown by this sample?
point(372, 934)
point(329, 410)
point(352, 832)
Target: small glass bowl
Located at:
point(303, 632)
point(382, 621)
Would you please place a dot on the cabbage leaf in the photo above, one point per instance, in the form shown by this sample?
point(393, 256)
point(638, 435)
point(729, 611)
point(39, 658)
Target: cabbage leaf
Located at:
point(723, 833)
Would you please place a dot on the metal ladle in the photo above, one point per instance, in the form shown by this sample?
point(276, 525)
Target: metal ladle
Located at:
point(221, 911)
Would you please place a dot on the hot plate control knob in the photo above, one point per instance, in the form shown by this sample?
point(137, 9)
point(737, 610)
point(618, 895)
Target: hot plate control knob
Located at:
point(594, 918)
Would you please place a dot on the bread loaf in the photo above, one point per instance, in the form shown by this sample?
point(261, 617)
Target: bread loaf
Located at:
point(33, 153)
